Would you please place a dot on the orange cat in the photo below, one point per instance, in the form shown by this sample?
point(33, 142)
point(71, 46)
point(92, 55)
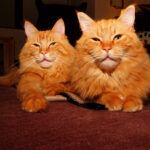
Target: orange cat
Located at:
point(112, 67)
point(45, 62)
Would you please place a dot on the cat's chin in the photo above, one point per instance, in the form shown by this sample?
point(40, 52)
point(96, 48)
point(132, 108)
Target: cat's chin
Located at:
point(109, 64)
point(45, 64)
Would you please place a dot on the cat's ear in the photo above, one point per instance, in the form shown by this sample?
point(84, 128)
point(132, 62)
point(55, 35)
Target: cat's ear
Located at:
point(128, 16)
point(30, 29)
point(59, 27)
point(85, 21)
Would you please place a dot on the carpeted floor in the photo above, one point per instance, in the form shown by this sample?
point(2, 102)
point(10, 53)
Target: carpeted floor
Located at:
point(65, 126)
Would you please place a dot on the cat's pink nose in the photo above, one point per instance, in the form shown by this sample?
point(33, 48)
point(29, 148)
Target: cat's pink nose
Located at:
point(43, 52)
point(107, 48)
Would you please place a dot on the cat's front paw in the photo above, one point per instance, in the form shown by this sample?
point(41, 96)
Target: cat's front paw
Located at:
point(34, 104)
point(132, 104)
point(112, 102)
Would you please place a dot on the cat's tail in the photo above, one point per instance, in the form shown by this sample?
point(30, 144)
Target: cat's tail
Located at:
point(55, 98)
point(75, 99)
point(10, 78)
point(65, 96)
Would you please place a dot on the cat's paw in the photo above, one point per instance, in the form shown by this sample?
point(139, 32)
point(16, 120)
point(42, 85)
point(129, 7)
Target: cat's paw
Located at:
point(34, 104)
point(132, 104)
point(112, 102)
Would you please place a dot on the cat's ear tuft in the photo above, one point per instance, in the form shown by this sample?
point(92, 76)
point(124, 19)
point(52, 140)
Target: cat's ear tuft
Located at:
point(85, 21)
point(30, 29)
point(59, 27)
point(128, 16)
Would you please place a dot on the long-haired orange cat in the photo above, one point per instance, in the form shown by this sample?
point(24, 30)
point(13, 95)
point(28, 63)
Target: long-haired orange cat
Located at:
point(45, 65)
point(112, 67)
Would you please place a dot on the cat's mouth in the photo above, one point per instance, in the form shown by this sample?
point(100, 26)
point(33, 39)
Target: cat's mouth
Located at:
point(108, 58)
point(108, 63)
point(46, 60)
point(46, 63)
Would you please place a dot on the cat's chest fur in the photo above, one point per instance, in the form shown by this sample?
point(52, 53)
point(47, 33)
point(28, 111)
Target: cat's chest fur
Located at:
point(55, 77)
point(50, 75)
point(95, 82)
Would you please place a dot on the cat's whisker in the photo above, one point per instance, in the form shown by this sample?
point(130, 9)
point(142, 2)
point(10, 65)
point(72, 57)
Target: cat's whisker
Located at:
point(130, 57)
point(12, 66)
point(15, 64)
point(27, 58)
point(26, 67)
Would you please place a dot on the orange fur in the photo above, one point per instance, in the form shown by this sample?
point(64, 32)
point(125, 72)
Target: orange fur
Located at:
point(11, 78)
point(45, 62)
point(112, 67)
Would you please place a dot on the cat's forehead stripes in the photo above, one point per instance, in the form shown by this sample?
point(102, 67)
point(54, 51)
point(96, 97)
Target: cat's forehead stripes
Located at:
point(45, 35)
point(106, 25)
point(108, 28)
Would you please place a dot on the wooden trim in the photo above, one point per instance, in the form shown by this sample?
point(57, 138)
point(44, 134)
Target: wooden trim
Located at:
point(9, 51)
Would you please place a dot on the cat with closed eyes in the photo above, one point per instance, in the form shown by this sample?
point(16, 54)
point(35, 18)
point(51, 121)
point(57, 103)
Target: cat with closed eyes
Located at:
point(46, 60)
point(112, 67)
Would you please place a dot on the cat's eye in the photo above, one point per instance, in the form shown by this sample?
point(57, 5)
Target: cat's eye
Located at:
point(36, 45)
point(117, 37)
point(95, 39)
point(53, 43)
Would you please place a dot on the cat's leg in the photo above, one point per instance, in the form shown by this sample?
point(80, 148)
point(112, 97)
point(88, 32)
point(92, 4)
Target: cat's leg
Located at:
point(30, 93)
point(64, 92)
point(112, 101)
point(34, 102)
point(132, 104)
point(56, 88)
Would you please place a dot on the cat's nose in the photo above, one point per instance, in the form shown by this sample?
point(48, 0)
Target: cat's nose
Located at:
point(106, 47)
point(44, 52)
